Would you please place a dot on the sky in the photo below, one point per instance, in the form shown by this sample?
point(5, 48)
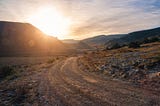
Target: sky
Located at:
point(87, 17)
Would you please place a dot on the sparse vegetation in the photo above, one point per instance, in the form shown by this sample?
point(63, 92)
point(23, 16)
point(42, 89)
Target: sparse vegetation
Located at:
point(134, 45)
point(39, 82)
point(151, 39)
point(129, 64)
point(114, 46)
point(158, 58)
point(51, 60)
point(6, 71)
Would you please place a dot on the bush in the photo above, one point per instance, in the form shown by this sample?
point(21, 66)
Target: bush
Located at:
point(6, 71)
point(114, 46)
point(158, 58)
point(51, 60)
point(151, 39)
point(134, 45)
point(154, 39)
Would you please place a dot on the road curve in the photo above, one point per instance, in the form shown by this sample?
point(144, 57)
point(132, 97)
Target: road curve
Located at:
point(65, 84)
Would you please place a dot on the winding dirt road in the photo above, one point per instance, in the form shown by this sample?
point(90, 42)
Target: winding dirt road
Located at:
point(65, 84)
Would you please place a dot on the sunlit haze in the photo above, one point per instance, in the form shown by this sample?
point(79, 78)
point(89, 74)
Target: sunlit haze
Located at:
point(51, 22)
point(78, 19)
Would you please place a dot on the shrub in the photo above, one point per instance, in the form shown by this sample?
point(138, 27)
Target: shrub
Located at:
point(154, 39)
point(6, 71)
point(151, 39)
point(134, 45)
point(158, 58)
point(51, 60)
point(114, 46)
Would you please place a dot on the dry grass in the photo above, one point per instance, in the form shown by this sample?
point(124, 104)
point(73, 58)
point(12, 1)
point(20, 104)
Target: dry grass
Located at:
point(144, 59)
point(16, 85)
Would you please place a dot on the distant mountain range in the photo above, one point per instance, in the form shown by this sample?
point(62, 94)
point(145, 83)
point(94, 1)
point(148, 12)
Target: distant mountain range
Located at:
point(137, 36)
point(101, 39)
point(70, 41)
point(77, 44)
point(92, 42)
point(108, 41)
point(25, 39)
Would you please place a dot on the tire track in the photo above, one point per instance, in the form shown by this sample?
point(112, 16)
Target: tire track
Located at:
point(65, 84)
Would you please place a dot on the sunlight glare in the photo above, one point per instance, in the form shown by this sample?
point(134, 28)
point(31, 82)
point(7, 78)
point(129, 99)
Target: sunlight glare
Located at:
point(51, 22)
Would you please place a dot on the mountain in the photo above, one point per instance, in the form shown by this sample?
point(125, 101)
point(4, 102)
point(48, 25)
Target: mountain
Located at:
point(78, 45)
point(25, 39)
point(101, 39)
point(70, 41)
point(91, 43)
point(137, 36)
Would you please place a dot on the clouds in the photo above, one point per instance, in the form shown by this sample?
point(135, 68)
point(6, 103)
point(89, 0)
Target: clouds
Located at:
point(119, 16)
point(15, 11)
point(91, 17)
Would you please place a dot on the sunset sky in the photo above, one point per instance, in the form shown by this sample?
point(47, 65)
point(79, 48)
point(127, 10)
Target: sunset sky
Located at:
point(78, 19)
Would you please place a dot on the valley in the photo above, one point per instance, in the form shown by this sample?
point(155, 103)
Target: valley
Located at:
point(83, 80)
point(115, 70)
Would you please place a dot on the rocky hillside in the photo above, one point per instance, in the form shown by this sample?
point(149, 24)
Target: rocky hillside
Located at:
point(140, 66)
point(138, 36)
point(25, 39)
point(101, 39)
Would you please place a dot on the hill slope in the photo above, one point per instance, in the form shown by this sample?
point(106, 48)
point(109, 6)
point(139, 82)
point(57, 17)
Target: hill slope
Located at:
point(101, 39)
point(70, 41)
point(135, 36)
point(23, 38)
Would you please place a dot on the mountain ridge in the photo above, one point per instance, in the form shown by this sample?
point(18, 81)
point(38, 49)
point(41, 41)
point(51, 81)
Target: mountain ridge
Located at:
point(137, 36)
point(101, 39)
point(23, 38)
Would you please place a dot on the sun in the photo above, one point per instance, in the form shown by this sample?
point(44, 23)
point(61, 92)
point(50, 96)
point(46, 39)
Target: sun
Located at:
point(51, 22)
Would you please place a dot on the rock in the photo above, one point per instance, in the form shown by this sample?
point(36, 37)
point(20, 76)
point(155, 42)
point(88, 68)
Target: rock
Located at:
point(124, 76)
point(130, 73)
point(153, 75)
point(158, 74)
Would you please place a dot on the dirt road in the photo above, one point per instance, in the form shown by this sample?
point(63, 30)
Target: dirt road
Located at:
point(65, 84)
